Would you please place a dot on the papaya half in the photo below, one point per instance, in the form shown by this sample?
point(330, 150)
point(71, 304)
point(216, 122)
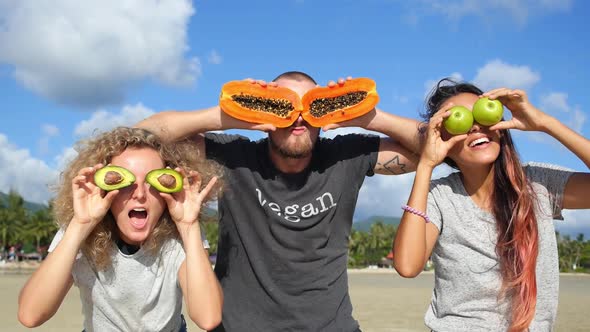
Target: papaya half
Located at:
point(260, 104)
point(325, 105)
point(281, 106)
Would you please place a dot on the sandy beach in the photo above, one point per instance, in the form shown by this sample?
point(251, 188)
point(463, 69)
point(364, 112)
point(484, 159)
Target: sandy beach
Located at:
point(383, 301)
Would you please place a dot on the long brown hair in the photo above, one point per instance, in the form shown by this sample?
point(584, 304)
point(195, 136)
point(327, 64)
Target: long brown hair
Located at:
point(513, 208)
point(98, 246)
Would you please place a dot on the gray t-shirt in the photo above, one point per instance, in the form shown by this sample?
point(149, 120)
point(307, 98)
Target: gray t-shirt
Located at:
point(138, 292)
point(283, 238)
point(467, 271)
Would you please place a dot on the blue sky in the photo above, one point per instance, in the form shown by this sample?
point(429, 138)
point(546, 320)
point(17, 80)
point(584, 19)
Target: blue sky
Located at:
point(69, 69)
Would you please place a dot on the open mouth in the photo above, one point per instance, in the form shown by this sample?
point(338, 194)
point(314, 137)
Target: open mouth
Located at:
point(138, 218)
point(479, 142)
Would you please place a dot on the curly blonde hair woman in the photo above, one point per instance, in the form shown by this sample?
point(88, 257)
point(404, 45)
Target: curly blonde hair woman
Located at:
point(133, 252)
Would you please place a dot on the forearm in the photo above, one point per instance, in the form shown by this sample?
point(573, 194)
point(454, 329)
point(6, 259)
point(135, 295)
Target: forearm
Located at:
point(573, 141)
point(45, 290)
point(175, 125)
point(401, 129)
point(203, 294)
point(410, 246)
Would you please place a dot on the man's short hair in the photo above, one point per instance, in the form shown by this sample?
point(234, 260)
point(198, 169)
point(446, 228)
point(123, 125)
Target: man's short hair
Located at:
point(295, 75)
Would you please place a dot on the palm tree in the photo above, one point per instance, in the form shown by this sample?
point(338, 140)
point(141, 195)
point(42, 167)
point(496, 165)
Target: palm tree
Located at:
point(40, 227)
point(570, 252)
point(357, 248)
point(380, 241)
point(13, 217)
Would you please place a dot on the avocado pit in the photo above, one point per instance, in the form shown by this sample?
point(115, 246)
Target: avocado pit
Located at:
point(167, 180)
point(112, 178)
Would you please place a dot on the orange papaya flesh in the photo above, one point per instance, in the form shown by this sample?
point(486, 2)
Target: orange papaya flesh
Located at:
point(281, 106)
point(325, 105)
point(260, 104)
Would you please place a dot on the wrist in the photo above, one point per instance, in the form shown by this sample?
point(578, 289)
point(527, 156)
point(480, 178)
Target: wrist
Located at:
point(78, 231)
point(426, 165)
point(189, 228)
point(215, 116)
point(547, 124)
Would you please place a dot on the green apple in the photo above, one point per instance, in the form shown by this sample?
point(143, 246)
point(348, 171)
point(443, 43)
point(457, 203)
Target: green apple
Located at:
point(487, 112)
point(460, 120)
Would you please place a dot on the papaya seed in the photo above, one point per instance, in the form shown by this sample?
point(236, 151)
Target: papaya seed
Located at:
point(280, 107)
point(323, 106)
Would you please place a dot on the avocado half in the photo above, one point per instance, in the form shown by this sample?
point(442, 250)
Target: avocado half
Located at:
point(165, 180)
point(111, 178)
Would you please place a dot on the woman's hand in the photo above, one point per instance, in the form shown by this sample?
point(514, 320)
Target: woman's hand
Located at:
point(185, 206)
point(90, 206)
point(525, 116)
point(434, 148)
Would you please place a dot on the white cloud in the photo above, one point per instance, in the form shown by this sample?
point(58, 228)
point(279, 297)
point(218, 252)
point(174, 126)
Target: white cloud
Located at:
point(32, 178)
point(430, 84)
point(348, 130)
point(47, 132)
point(556, 104)
point(26, 175)
point(577, 121)
point(575, 222)
point(454, 10)
point(560, 5)
point(50, 130)
point(497, 74)
point(383, 195)
point(401, 99)
point(215, 58)
point(65, 157)
point(102, 121)
point(87, 53)
point(555, 101)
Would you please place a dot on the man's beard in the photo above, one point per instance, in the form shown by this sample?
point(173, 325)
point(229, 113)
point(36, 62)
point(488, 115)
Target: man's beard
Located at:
point(294, 151)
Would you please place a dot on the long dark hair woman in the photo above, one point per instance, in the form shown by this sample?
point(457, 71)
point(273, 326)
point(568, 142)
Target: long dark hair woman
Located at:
point(488, 227)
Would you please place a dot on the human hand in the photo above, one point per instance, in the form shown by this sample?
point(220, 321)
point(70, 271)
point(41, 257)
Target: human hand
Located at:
point(262, 83)
point(341, 81)
point(184, 206)
point(524, 115)
point(434, 148)
point(90, 206)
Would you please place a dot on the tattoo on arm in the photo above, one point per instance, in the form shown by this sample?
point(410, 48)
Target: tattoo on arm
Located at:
point(393, 166)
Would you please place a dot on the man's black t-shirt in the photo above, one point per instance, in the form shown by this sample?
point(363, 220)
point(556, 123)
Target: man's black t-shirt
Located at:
point(283, 238)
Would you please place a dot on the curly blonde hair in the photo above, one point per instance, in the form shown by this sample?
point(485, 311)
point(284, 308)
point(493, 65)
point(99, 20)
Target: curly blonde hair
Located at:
point(98, 246)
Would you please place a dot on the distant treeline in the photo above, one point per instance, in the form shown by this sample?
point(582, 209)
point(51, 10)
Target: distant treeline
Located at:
point(31, 230)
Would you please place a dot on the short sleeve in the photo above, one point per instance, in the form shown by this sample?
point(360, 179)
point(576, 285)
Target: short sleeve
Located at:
point(549, 180)
point(361, 149)
point(433, 210)
point(56, 239)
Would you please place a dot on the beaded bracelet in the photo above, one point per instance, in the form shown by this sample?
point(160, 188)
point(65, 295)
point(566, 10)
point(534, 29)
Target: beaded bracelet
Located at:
point(416, 212)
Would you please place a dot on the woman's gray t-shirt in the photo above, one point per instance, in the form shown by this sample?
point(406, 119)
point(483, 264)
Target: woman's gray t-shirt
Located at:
point(137, 292)
point(467, 271)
